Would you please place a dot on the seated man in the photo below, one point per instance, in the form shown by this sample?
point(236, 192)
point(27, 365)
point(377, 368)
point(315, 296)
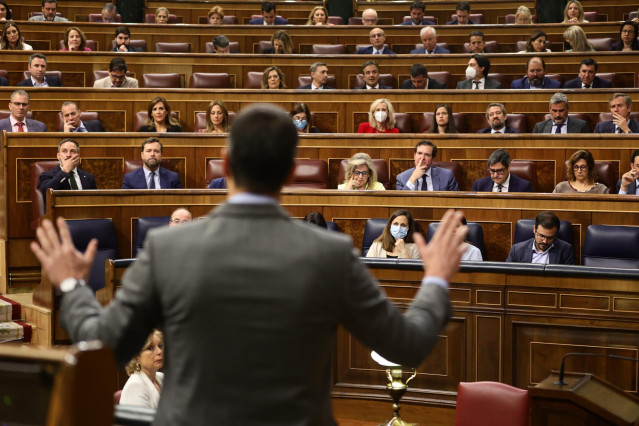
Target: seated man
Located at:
point(462, 12)
point(17, 120)
point(377, 38)
point(319, 76)
point(587, 77)
point(496, 116)
point(38, 69)
point(109, 12)
point(478, 68)
point(370, 71)
point(49, 12)
point(417, 11)
point(117, 77)
point(500, 179)
point(180, 216)
point(544, 247)
point(123, 40)
point(428, 36)
point(218, 183)
point(536, 76)
point(369, 17)
point(269, 16)
point(72, 123)
point(629, 182)
point(620, 107)
point(476, 42)
point(222, 44)
point(424, 176)
point(559, 122)
point(3, 81)
point(419, 79)
point(151, 175)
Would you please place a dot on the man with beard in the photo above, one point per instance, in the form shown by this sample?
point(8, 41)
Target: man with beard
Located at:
point(151, 175)
point(544, 247)
point(559, 122)
point(477, 75)
point(536, 76)
point(496, 116)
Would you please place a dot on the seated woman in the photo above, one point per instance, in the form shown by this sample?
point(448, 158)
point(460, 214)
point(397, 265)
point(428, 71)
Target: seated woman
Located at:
point(576, 38)
point(443, 121)
point(536, 42)
point(144, 385)
point(216, 15)
point(159, 117)
point(281, 44)
point(523, 16)
point(161, 15)
point(472, 253)
point(318, 16)
point(273, 78)
point(396, 240)
point(301, 115)
point(361, 174)
point(5, 12)
point(574, 13)
point(627, 37)
point(12, 38)
point(582, 176)
point(75, 41)
point(217, 118)
point(381, 118)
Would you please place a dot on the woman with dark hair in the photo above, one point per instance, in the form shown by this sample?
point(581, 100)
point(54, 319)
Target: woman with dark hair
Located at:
point(472, 253)
point(627, 37)
point(582, 176)
point(396, 240)
point(217, 118)
point(273, 78)
point(301, 115)
point(75, 41)
point(145, 382)
point(12, 38)
point(443, 121)
point(5, 12)
point(317, 219)
point(159, 117)
point(536, 42)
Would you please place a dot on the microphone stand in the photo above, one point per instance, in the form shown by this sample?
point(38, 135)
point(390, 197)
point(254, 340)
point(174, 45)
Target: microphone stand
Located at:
point(561, 382)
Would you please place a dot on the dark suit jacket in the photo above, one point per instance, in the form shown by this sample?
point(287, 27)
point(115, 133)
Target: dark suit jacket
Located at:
point(516, 184)
point(136, 180)
point(369, 51)
point(380, 86)
point(523, 83)
point(488, 84)
point(218, 183)
point(575, 125)
point(508, 130)
point(422, 51)
point(424, 22)
point(173, 129)
point(4, 81)
point(260, 21)
point(443, 179)
point(56, 179)
point(561, 253)
point(432, 84)
point(32, 125)
point(51, 80)
point(632, 188)
point(456, 22)
point(131, 49)
point(308, 87)
point(93, 126)
point(250, 276)
point(597, 83)
point(609, 127)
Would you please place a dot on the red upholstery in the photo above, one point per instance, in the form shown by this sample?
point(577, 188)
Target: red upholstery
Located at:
point(200, 120)
point(441, 76)
point(336, 20)
point(442, 45)
point(516, 121)
point(161, 81)
point(164, 47)
point(380, 166)
point(91, 44)
point(214, 170)
point(130, 165)
point(263, 45)
point(134, 43)
point(259, 16)
point(37, 198)
point(384, 80)
point(27, 74)
point(496, 76)
point(427, 122)
point(304, 80)
point(253, 80)
point(140, 119)
point(97, 17)
point(355, 20)
point(605, 173)
point(328, 49)
point(491, 404)
point(402, 122)
point(491, 46)
point(556, 77)
point(234, 47)
point(510, 18)
point(311, 174)
point(426, 17)
point(85, 116)
point(453, 166)
point(591, 16)
point(97, 75)
point(602, 44)
point(477, 18)
point(118, 394)
point(206, 80)
point(227, 20)
point(149, 18)
point(607, 116)
point(608, 76)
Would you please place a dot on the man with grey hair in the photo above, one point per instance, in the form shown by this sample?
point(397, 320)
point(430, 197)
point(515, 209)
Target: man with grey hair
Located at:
point(71, 116)
point(620, 106)
point(428, 35)
point(49, 12)
point(221, 44)
point(109, 12)
point(496, 116)
point(559, 122)
point(500, 179)
point(319, 77)
point(17, 120)
point(369, 17)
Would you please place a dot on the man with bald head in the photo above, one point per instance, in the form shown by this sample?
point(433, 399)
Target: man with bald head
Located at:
point(535, 76)
point(377, 39)
point(428, 36)
point(369, 17)
point(180, 216)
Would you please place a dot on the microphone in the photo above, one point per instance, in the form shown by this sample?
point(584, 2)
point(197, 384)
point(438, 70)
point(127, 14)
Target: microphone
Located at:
point(561, 382)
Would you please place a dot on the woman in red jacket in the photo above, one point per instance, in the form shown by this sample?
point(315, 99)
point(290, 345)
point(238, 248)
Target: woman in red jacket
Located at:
point(381, 118)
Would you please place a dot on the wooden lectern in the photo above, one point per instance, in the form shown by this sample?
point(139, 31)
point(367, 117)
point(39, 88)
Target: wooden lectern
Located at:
point(584, 400)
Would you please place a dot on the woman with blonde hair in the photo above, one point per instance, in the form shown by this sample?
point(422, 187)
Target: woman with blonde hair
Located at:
point(75, 41)
point(217, 118)
point(523, 16)
point(318, 16)
point(396, 240)
point(273, 78)
point(576, 37)
point(281, 44)
point(216, 15)
point(582, 176)
point(161, 15)
point(145, 381)
point(159, 118)
point(574, 13)
point(381, 118)
point(361, 174)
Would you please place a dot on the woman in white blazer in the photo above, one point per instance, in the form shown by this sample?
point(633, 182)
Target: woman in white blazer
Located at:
point(145, 381)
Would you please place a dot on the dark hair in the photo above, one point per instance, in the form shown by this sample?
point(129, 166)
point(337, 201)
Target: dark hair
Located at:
point(299, 107)
point(635, 43)
point(634, 155)
point(38, 56)
point(418, 69)
point(151, 139)
point(65, 140)
point(367, 63)
point(117, 64)
point(451, 121)
point(463, 5)
point(543, 63)
point(476, 33)
point(387, 240)
point(267, 6)
point(316, 218)
point(418, 5)
point(4, 43)
point(6, 6)
point(547, 220)
point(534, 36)
point(482, 62)
point(626, 99)
point(427, 143)
point(83, 38)
point(499, 156)
point(221, 40)
point(169, 120)
point(582, 154)
point(589, 62)
point(50, 1)
point(261, 148)
point(123, 29)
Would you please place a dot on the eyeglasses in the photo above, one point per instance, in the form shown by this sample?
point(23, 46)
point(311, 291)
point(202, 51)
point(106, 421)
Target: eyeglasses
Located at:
point(377, 35)
point(545, 237)
point(357, 173)
point(582, 167)
point(496, 171)
point(22, 104)
point(627, 31)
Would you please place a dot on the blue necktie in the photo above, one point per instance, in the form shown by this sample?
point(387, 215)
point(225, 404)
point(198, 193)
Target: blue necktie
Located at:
point(152, 183)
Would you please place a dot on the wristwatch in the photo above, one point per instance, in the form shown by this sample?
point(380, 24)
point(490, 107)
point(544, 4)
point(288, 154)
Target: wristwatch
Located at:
point(70, 284)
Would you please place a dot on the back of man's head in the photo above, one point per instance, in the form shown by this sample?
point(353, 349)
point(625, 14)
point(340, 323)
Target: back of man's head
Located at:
point(261, 149)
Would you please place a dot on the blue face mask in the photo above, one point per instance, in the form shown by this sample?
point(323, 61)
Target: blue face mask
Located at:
point(398, 232)
point(300, 124)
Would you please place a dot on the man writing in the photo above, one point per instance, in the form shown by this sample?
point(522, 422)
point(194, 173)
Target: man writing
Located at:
point(269, 325)
point(424, 176)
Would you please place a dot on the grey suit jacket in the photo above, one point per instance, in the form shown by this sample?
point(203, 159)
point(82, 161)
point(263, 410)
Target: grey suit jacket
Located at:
point(575, 125)
point(105, 83)
point(249, 325)
point(32, 125)
point(40, 18)
point(489, 84)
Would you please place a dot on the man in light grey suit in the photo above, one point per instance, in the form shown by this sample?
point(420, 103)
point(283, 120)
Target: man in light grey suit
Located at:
point(477, 74)
point(424, 176)
point(249, 324)
point(49, 10)
point(117, 77)
point(18, 121)
point(559, 122)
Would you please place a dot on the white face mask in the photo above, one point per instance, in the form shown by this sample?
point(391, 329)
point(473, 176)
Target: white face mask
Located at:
point(470, 73)
point(381, 116)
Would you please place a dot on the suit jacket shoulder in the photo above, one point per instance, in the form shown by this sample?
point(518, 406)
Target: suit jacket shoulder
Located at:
point(35, 125)
point(483, 185)
point(434, 84)
point(543, 126)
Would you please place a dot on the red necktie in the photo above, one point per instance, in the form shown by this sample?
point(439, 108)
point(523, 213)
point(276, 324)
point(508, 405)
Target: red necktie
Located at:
point(20, 125)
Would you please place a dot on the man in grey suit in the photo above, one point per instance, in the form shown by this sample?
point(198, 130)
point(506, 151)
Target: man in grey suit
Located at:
point(424, 176)
point(49, 10)
point(476, 75)
point(18, 121)
point(559, 122)
point(249, 324)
